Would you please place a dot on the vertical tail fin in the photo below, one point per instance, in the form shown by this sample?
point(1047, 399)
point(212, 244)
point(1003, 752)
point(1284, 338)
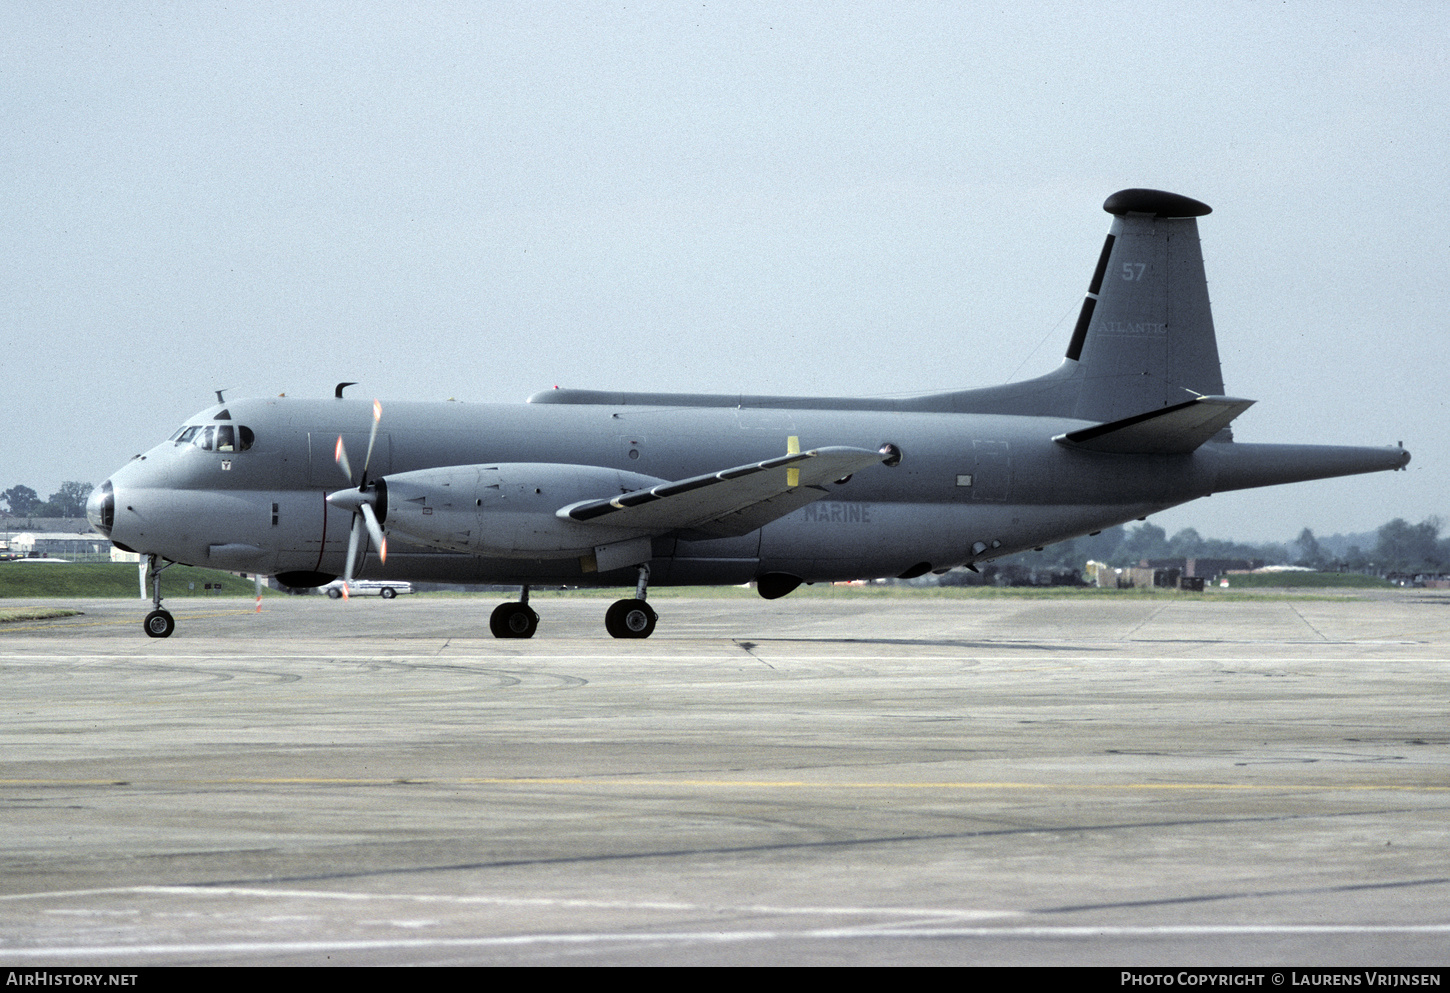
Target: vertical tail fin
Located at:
point(1144, 338)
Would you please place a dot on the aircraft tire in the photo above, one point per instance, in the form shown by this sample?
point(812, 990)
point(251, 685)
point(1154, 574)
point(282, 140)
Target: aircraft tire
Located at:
point(513, 620)
point(388, 593)
point(630, 619)
point(159, 624)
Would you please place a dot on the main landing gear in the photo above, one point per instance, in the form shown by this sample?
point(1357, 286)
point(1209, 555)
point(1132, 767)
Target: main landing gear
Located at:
point(514, 620)
point(624, 619)
point(159, 623)
point(632, 618)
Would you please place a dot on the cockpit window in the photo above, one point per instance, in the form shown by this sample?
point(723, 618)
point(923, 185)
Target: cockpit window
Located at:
point(224, 437)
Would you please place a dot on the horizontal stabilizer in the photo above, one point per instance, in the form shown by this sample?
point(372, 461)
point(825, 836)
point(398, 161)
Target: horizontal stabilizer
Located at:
point(1175, 430)
point(730, 502)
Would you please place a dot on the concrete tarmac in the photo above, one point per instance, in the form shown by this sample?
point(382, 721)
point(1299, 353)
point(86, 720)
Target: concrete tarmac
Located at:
point(1097, 781)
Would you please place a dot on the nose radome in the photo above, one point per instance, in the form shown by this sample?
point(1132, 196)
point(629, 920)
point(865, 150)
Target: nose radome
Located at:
point(101, 508)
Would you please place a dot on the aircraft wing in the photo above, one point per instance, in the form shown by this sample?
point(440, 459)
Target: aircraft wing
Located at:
point(730, 502)
point(1175, 430)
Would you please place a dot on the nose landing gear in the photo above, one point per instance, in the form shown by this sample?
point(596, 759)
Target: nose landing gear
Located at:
point(159, 623)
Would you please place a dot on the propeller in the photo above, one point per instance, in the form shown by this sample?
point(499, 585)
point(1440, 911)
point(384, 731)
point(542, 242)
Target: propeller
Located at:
point(362, 500)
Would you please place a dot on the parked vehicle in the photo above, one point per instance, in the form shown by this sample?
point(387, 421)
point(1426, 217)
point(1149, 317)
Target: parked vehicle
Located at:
point(387, 589)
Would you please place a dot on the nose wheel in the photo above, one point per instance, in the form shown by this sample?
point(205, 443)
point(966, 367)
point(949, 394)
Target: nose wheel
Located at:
point(159, 623)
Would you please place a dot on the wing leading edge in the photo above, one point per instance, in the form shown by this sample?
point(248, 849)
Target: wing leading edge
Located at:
point(730, 502)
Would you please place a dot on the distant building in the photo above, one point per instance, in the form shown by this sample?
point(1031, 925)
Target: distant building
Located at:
point(58, 544)
point(53, 537)
point(1203, 568)
point(1167, 573)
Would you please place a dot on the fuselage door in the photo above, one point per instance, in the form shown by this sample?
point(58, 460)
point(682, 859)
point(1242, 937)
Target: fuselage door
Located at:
point(992, 472)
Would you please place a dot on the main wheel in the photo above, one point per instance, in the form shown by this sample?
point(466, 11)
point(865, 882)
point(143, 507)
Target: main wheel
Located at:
point(630, 619)
point(388, 593)
point(159, 624)
point(513, 620)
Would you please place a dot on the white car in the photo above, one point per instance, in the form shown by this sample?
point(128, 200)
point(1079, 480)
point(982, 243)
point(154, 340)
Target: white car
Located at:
point(387, 589)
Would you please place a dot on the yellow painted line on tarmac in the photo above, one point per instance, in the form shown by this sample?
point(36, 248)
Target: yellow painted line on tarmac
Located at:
point(724, 784)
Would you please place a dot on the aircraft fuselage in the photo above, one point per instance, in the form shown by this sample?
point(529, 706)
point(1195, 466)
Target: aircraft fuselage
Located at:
point(968, 487)
point(606, 489)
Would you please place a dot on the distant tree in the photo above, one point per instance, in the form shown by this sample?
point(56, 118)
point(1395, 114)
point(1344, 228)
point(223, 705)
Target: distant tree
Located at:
point(1146, 541)
point(1186, 544)
point(70, 499)
point(1310, 553)
point(20, 499)
point(1399, 546)
point(1409, 547)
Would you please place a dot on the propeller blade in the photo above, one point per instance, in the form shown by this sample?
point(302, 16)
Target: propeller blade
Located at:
point(352, 543)
point(375, 529)
point(359, 501)
point(339, 455)
point(373, 437)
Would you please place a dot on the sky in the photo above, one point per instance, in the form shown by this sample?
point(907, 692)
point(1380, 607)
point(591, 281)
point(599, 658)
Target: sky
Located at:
point(482, 200)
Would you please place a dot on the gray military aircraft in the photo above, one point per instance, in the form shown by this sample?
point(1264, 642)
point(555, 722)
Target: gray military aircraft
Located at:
point(586, 488)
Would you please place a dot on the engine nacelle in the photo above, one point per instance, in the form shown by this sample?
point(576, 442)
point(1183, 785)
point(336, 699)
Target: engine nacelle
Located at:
point(505, 509)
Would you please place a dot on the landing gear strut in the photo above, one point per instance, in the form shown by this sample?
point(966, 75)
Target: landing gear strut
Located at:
point(514, 620)
point(159, 623)
point(632, 618)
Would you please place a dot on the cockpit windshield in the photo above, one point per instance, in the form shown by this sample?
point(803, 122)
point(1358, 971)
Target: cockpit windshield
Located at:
point(215, 437)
